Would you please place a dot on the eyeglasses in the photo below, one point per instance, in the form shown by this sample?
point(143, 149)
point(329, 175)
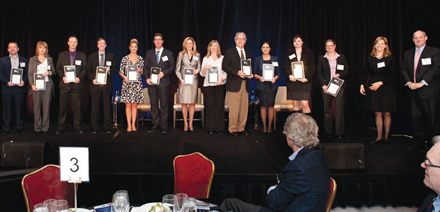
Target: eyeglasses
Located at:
point(428, 164)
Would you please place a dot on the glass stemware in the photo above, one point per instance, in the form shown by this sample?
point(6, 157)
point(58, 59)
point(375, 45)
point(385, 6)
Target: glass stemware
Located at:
point(180, 197)
point(40, 207)
point(59, 205)
point(121, 201)
point(189, 205)
point(169, 202)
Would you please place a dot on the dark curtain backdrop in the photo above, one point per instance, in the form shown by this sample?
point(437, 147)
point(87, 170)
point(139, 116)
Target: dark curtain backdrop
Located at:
point(353, 24)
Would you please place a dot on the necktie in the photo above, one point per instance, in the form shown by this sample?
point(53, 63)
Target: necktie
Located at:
point(157, 56)
point(242, 55)
point(416, 62)
point(101, 60)
point(71, 58)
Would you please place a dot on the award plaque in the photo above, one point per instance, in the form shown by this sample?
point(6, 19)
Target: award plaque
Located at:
point(298, 69)
point(154, 76)
point(334, 86)
point(246, 67)
point(70, 73)
point(188, 76)
point(213, 75)
point(132, 73)
point(16, 76)
point(268, 72)
point(101, 75)
point(39, 81)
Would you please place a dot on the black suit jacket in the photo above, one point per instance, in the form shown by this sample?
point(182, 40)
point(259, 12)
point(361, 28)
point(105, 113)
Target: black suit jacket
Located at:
point(93, 62)
point(81, 70)
point(5, 75)
point(309, 70)
point(429, 73)
point(426, 202)
point(167, 67)
point(231, 65)
point(323, 69)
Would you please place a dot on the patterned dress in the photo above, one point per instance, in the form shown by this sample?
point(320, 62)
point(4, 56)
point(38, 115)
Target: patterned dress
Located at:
point(131, 92)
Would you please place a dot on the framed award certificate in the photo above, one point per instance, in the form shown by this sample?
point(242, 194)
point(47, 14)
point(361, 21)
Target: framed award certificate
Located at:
point(16, 76)
point(246, 67)
point(268, 71)
point(154, 76)
point(132, 73)
point(334, 86)
point(213, 75)
point(101, 75)
point(39, 81)
point(188, 76)
point(70, 73)
point(298, 69)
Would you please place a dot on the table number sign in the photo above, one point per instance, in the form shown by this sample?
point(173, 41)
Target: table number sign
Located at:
point(74, 164)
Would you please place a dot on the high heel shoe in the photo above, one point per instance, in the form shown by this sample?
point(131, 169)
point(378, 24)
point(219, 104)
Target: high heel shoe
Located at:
point(185, 129)
point(191, 130)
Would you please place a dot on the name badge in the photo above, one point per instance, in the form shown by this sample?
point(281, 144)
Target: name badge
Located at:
point(108, 63)
point(196, 58)
point(23, 64)
point(292, 56)
point(48, 68)
point(340, 67)
point(275, 64)
point(78, 62)
point(165, 58)
point(426, 61)
point(381, 65)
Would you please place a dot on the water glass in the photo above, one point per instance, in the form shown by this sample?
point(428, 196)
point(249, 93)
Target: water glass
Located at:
point(180, 197)
point(59, 205)
point(121, 201)
point(189, 205)
point(169, 202)
point(41, 207)
point(49, 203)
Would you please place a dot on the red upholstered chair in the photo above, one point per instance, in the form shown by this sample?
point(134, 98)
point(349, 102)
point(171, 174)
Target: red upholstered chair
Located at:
point(193, 175)
point(331, 196)
point(45, 184)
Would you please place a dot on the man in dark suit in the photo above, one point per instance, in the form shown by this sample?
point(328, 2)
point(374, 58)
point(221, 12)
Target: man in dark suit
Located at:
point(421, 70)
point(304, 183)
point(101, 92)
point(432, 177)
point(163, 59)
point(237, 85)
point(13, 94)
point(74, 89)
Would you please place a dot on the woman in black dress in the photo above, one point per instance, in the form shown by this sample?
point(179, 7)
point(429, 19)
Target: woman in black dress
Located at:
point(380, 93)
point(299, 90)
point(266, 90)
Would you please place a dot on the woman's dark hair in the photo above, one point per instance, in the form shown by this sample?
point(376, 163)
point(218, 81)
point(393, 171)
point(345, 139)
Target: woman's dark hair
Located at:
point(292, 48)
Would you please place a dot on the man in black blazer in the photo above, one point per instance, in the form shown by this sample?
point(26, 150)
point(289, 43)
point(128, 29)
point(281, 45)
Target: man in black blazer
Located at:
point(421, 70)
point(237, 85)
point(101, 92)
point(163, 59)
point(13, 94)
point(71, 90)
point(432, 177)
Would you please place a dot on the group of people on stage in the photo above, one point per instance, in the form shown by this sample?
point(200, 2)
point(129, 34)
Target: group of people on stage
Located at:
point(420, 70)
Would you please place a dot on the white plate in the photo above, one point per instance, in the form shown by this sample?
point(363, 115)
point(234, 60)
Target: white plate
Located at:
point(145, 207)
point(80, 210)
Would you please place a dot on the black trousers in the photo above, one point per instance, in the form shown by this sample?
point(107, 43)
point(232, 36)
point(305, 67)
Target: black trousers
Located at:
point(236, 205)
point(65, 96)
point(11, 101)
point(104, 98)
point(339, 112)
point(159, 94)
point(214, 97)
point(425, 119)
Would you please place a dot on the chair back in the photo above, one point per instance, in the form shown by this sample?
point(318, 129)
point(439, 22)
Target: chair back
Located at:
point(45, 184)
point(146, 96)
point(331, 196)
point(281, 97)
point(193, 175)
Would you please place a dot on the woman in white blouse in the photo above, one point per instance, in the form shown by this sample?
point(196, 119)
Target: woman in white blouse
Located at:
point(42, 64)
point(214, 88)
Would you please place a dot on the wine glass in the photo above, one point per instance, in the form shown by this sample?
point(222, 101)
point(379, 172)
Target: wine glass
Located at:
point(189, 205)
point(180, 197)
point(121, 201)
point(49, 203)
point(169, 202)
point(59, 205)
point(41, 207)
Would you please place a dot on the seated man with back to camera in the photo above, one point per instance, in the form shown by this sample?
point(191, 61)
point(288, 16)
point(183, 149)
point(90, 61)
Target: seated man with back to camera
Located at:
point(304, 183)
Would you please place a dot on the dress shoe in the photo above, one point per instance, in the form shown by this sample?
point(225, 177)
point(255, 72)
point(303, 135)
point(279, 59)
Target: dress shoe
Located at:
point(235, 134)
point(220, 132)
point(80, 132)
point(153, 129)
point(244, 132)
point(164, 131)
point(340, 137)
point(59, 132)
point(37, 132)
point(108, 132)
point(20, 131)
point(6, 132)
point(94, 132)
point(210, 132)
point(44, 132)
point(376, 141)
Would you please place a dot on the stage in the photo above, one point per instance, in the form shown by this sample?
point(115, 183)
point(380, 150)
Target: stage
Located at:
point(245, 166)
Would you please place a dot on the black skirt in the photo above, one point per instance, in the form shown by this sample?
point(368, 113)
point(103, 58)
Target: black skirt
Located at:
point(267, 97)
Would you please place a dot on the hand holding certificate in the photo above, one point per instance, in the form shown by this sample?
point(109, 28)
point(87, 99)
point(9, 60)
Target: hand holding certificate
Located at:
point(188, 76)
point(334, 86)
point(154, 76)
point(246, 67)
point(101, 75)
point(268, 72)
point(298, 69)
point(213, 75)
point(16, 76)
point(70, 73)
point(132, 73)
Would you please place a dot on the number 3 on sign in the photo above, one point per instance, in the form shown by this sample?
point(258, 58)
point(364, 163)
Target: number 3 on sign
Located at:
point(74, 164)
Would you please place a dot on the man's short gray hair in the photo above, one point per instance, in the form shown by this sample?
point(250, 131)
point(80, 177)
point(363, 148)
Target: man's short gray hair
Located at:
point(238, 33)
point(302, 130)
